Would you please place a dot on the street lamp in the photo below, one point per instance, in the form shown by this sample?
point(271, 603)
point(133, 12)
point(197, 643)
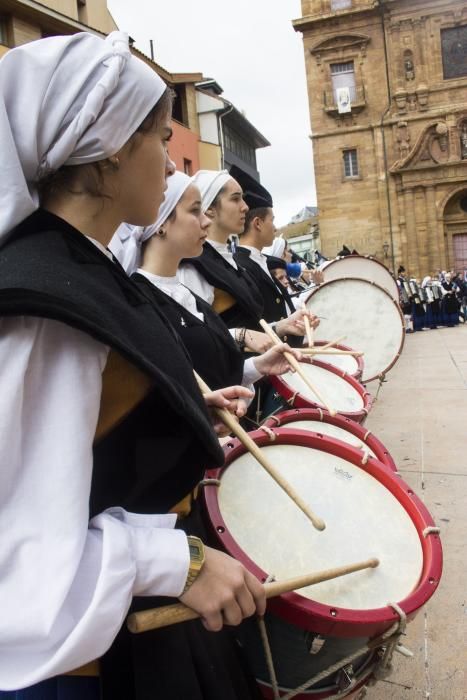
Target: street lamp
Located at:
point(386, 249)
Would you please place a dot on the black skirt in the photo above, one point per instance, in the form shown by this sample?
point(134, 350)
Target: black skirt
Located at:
point(181, 662)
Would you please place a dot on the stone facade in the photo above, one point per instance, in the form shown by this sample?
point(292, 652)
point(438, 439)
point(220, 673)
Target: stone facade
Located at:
point(387, 85)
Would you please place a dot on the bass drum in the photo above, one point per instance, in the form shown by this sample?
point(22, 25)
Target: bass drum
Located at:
point(366, 315)
point(324, 640)
point(338, 427)
point(361, 267)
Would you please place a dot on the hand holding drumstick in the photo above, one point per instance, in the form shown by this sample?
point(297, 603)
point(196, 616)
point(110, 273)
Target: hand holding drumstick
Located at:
point(229, 420)
point(172, 614)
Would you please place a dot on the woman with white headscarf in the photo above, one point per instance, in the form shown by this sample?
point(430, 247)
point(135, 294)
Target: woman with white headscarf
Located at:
point(99, 409)
point(155, 252)
point(215, 275)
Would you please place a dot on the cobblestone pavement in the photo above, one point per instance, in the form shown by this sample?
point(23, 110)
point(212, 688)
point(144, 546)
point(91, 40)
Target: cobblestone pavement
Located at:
point(421, 417)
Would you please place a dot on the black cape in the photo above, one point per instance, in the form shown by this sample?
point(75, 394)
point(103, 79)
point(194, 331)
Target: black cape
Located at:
point(247, 307)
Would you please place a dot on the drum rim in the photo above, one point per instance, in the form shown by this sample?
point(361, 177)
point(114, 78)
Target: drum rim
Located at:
point(351, 426)
point(365, 257)
point(301, 401)
point(339, 346)
point(294, 608)
point(395, 303)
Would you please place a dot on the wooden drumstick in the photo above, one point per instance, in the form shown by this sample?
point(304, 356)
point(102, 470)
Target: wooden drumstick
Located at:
point(308, 329)
point(333, 342)
point(296, 365)
point(229, 420)
point(316, 350)
point(172, 614)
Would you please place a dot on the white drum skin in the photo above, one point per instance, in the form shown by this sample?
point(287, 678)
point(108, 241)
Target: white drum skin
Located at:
point(363, 520)
point(361, 267)
point(366, 315)
point(345, 363)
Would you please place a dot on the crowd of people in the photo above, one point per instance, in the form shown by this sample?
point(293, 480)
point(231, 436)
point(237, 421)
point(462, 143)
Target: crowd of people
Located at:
point(438, 300)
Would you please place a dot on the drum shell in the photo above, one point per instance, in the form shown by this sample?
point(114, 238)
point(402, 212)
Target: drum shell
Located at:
point(305, 613)
point(286, 419)
point(299, 400)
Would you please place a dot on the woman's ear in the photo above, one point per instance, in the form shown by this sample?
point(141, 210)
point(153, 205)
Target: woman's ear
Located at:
point(210, 213)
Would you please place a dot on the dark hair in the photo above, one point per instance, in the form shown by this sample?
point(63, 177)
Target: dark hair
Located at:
point(260, 212)
point(90, 175)
point(217, 199)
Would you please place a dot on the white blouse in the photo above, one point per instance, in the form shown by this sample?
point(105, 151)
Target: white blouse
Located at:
point(65, 584)
point(191, 278)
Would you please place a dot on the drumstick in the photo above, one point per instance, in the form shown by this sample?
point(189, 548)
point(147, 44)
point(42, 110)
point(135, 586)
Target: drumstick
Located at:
point(333, 342)
point(296, 365)
point(316, 350)
point(155, 618)
point(308, 329)
point(228, 419)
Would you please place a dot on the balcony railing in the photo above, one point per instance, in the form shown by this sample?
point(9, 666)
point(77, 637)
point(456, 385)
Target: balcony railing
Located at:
point(357, 99)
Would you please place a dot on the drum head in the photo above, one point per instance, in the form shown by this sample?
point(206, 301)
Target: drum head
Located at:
point(368, 317)
point(334, 390)
point(368, 511)
point(346, 363)
point(362, 268)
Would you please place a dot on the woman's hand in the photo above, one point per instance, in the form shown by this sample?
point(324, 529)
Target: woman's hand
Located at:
point(257, 341)
point(294, 325)
point(233, 398)
point(224, 592)
point(274, 361)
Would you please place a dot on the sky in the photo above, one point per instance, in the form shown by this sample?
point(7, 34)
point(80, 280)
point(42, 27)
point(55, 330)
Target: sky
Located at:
point(250, 48)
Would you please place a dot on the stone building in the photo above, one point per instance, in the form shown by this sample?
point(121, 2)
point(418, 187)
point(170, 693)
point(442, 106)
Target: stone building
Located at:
point(387, 85)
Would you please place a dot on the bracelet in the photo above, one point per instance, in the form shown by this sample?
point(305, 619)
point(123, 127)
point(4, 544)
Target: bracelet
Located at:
point(240, 338)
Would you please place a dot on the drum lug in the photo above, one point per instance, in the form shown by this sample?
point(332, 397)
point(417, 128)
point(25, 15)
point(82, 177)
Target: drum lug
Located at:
point(316, 645)
point(346, 679)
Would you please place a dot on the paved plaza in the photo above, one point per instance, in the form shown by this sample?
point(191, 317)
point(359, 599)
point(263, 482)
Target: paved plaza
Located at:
point(421, 417)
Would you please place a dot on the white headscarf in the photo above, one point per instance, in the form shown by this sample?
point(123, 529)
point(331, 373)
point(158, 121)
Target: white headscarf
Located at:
point(66, 100)
point(127, 240)
point(210, 183)
point(276, 249)
point(426, 280)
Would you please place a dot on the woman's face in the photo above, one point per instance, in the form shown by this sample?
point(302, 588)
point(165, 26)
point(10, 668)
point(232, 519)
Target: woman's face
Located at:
point(187, 232)
point(229, 214)
point(144, 166)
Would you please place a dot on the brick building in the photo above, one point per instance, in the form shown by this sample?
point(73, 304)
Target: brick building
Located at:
point(387, 85)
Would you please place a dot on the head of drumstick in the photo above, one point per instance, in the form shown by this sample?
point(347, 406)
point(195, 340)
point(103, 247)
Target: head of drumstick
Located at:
point(374, 563)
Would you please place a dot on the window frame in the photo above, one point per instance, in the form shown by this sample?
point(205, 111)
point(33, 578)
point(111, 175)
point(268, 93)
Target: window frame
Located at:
point(352, 176)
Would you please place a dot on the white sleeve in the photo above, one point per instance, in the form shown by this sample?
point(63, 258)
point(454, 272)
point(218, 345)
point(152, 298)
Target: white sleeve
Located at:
point(65, 584)
point(191, 278)
point(250, 373)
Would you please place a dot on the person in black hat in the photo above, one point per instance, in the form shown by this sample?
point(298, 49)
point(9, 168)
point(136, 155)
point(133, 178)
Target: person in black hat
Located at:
point(259, 233)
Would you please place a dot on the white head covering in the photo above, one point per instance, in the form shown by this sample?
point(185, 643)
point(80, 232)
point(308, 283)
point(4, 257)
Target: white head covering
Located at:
point(127, 240)
point(210, 183)
point(66, 100)
point(426, 280)
point(277, 248)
